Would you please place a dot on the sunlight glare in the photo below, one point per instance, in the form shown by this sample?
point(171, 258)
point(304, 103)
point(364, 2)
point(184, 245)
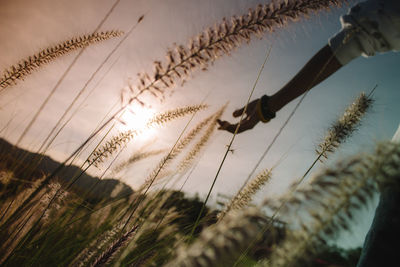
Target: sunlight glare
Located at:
point(136, 118)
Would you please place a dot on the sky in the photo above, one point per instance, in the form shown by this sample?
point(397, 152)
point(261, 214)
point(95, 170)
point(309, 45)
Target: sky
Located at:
point(29, 26)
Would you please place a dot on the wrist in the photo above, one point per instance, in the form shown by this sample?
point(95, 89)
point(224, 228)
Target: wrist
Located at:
point(264, 112)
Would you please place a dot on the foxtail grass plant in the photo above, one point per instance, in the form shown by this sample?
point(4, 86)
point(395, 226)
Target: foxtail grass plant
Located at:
point(176, 149)
point(65, 73)
point(159, 200)
point(165, 228)
point(41, 186)
point(148, 214)
point(179, 145)
point(224, 242)
point(329, 200)
point(19, 71)
point(50, 139)
point(228, 147)
point(107, 255)
point(220, 244)
point(135, 158)
point(222, 39)
point(161, 168)
point(118, 141)
point(344, 127)
point(190, 157)
point(38, 209)
point(85, 257)
point(245, 196)
point(211, 44)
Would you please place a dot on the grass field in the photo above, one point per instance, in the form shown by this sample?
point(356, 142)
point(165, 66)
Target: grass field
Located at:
point(116, 194)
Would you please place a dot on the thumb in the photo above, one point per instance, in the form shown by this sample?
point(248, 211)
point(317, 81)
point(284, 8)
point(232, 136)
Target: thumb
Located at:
point(238, 112)
point(222, 124)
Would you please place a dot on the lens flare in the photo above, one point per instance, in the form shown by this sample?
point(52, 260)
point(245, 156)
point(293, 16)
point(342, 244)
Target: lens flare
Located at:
point(136, 118)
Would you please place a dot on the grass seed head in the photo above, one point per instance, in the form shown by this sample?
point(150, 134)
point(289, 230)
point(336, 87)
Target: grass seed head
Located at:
point(117, 142)
point(245, 196)
point(345, 125)
point(26, 66)
point(222, 39)
point(188, 160)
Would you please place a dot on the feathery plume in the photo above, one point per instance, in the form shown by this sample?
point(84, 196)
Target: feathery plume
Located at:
point(32, 63)
point(222, 243)
point(169, 115)
point(187, 161)
point(123, 138)
point(329, 200)
point(53, 188)
point(86, 255)
point(107, 255)
point(165, 229)
point(345, 125)
point(182, 144)
point(245, 196)
point(111, 146)
point(137, 157)
point(222, 39)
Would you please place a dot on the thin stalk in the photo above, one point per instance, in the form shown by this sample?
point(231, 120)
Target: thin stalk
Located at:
point(73, 114)
point(230, 144)
point(163, 163)
point(45, 147)
point(59, 168)
point(8, 207)
point(66, 72)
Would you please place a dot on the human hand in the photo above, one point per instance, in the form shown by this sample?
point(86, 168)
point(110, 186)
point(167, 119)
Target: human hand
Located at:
point(249, 121)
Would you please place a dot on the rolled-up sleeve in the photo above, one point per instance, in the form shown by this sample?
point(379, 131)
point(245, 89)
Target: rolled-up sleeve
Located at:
point(370, 27)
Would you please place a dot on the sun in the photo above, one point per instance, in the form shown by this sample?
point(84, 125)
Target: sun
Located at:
point(136, 118)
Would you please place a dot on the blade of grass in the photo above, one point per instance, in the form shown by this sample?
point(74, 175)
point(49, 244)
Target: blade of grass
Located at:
point(230, 144)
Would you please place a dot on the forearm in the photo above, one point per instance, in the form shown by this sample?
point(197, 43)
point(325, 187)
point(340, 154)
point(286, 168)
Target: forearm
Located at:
point(318, 68)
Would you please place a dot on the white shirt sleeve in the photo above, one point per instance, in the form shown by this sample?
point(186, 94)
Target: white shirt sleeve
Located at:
point(369, 27)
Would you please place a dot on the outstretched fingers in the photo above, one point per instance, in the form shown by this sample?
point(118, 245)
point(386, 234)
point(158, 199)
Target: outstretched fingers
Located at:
point(248, 122)
point(250, 109)
point(225, 125)
point(244, 126)
point(238, 112)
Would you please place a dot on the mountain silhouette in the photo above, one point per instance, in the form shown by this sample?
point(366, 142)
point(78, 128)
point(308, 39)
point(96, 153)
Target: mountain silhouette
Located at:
point(28, 167)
